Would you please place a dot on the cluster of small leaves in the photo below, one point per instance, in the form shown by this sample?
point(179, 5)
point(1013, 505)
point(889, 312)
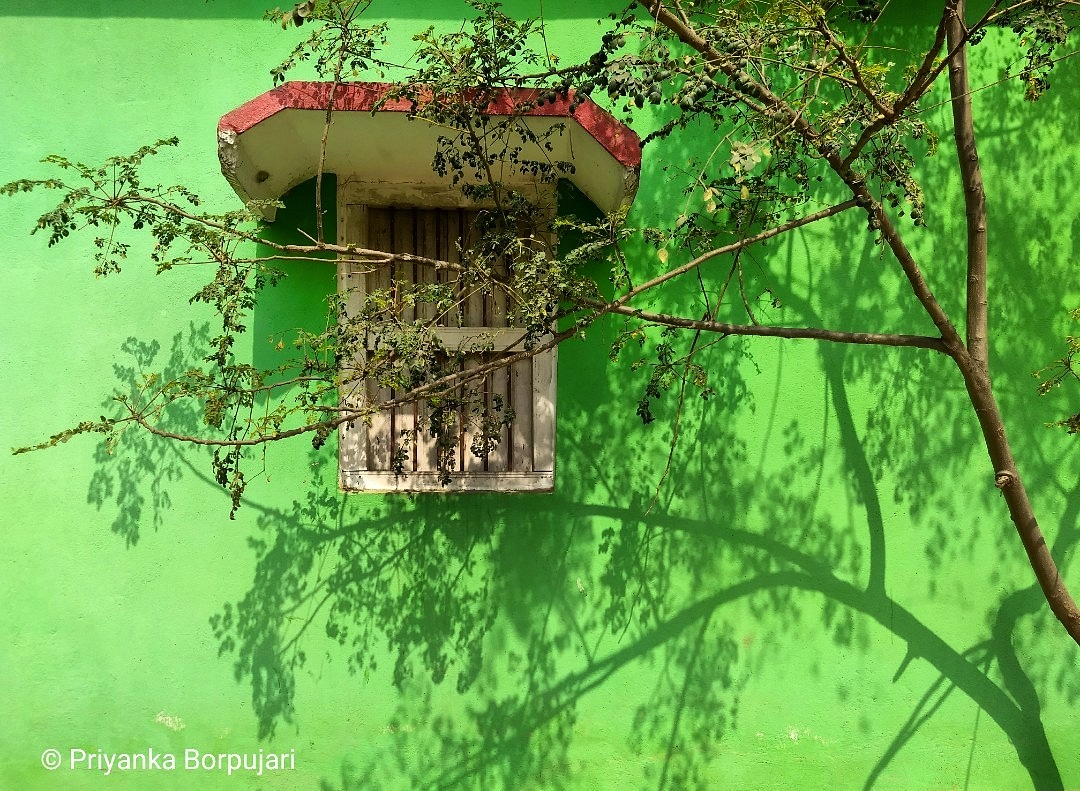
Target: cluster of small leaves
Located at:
point(739, 200)
point(634, 67)
point(466, 156)
point(457, 78)
point(863, 10)
point(791, 52)
point(447, 418)
point(890, 164)
point(1062, 370)
point(668, 370)
point(104, 426)
point(112, 199)
point(591, 241)
point(490, 52)
point(113, 202)
point(450, 415)
point(1041, 28)
point(337, 46)
point(108, 197)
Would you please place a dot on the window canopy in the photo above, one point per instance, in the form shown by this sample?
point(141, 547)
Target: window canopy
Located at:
point(270, 144)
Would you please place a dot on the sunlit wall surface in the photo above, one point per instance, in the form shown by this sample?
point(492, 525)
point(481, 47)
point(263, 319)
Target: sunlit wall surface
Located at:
point(824, 592)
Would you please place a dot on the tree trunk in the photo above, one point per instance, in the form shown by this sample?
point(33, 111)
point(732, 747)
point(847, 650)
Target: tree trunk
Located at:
point(973, 361)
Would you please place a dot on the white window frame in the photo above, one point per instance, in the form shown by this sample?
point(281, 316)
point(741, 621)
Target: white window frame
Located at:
point(353, 474)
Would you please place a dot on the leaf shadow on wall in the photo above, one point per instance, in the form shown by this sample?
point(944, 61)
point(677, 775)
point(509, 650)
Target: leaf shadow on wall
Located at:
point(507, 626)
point(920, 432)
point(529, 606)
point(508, 601)
point(132, 476)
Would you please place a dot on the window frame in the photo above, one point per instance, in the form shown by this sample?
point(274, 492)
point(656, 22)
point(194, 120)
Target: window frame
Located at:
point(353, 474)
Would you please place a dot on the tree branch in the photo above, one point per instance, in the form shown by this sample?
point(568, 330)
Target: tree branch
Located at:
point(918, 86)
point(760, 330)
point(735, 247)
point(348, 414)
point(972, 365)
point(779, 110)
point(367, 255)
point(974, 194)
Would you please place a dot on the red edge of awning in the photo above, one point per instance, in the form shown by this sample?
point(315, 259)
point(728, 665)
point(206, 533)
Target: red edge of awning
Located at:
point(617, 139)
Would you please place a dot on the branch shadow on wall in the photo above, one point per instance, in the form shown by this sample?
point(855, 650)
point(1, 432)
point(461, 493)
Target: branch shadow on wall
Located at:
point(1029, 277)
point(497, 621)
point(501, 617)
point(514, 612)
point(526, 606)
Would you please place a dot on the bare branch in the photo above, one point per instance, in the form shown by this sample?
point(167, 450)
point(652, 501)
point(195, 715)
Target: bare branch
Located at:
point(812, 333)
point(734, 247)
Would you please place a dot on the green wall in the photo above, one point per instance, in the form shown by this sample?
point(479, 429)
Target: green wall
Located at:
point(827, 591)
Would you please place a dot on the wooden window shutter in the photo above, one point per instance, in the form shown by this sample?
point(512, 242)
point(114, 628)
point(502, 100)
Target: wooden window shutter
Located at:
point(524, 457)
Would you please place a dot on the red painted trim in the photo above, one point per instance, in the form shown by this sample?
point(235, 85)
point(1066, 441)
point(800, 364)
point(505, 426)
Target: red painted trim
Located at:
point(617, 139)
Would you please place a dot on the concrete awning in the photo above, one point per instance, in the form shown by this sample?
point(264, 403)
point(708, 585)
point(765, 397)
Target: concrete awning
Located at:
point(270, 144)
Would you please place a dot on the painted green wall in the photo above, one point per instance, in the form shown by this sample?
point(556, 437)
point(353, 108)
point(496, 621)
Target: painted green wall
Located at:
point(826, 593)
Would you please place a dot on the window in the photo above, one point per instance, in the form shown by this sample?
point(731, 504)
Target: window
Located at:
point(280, 139)
point(481, 446)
